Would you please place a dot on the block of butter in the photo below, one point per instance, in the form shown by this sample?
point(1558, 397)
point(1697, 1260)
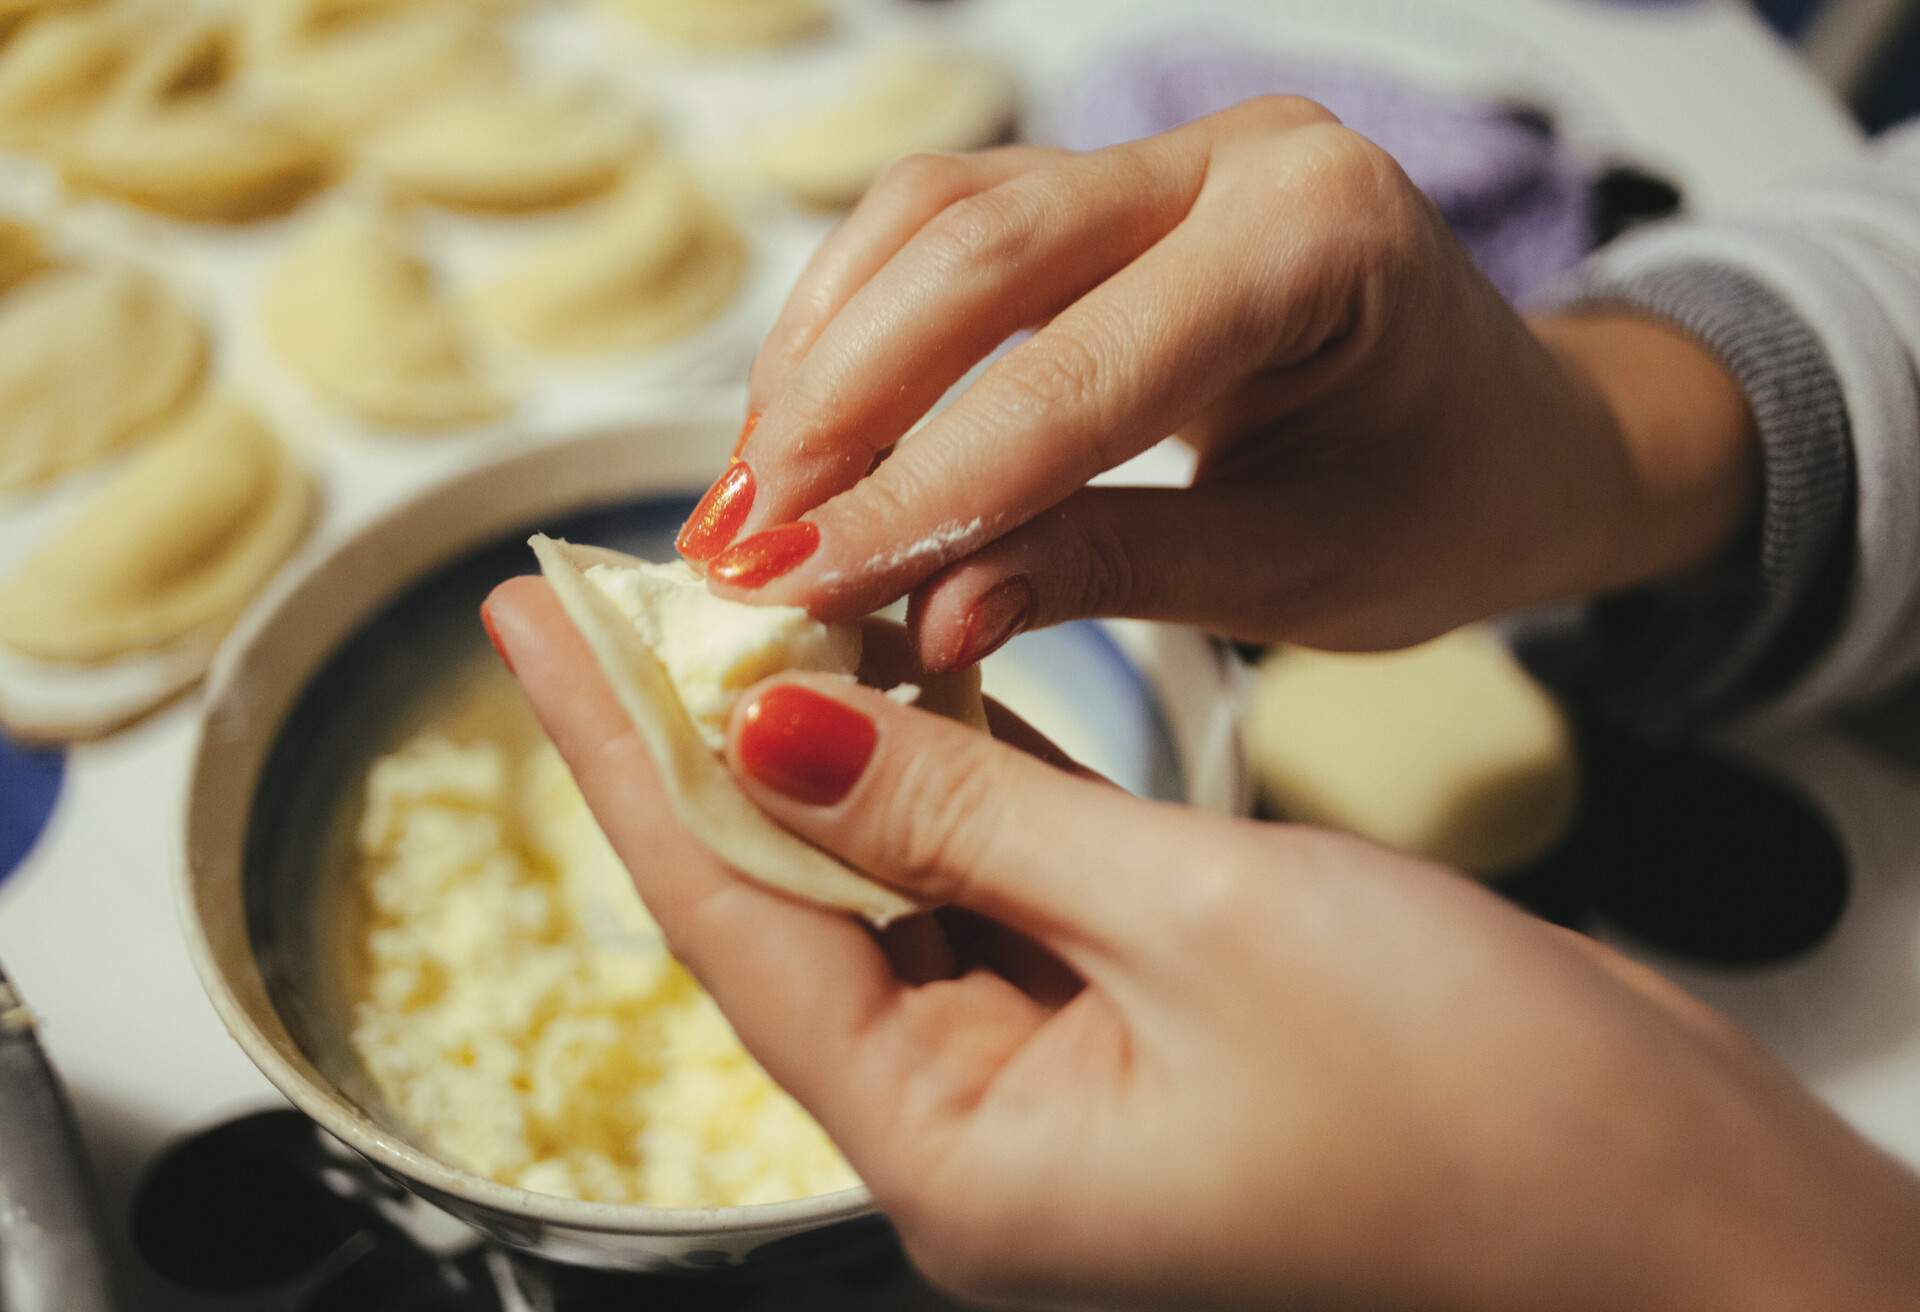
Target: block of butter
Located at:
point(1448, 750)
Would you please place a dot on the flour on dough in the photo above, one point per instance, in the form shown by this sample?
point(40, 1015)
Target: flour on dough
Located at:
point(88, 357)
point(357, 315)
point(504, 148)
point(174, 546)
point(905, 103)
point(723, 24)
point(1449, 750)
point(657, 261)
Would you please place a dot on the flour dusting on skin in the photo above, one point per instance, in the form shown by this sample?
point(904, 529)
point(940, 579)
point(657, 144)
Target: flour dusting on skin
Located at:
point(948, 541)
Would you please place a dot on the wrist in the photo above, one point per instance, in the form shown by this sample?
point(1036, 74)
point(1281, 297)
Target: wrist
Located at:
point(1677, 445)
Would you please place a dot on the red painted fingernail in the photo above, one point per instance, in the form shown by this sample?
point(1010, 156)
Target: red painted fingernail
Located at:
point(997, 614)
point(766, 555)
point(746, 431)
point(493, 636)
point(807, 746)
point(719, 515)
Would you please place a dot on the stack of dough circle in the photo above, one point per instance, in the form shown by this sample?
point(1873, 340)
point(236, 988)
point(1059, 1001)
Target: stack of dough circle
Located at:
point(88, 357)
point(658, 261)
point(721, 24)
point(173, 547)
point(1448, 750)
point(357, 315)
point(173, 138)
point(907, 103)
point(503, 148)
point(343, 66)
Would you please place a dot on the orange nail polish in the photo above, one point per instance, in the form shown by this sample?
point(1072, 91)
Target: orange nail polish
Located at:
point(746, 431)
point(719, 515)
point(493, 636)
point(766, 555)
point(996, 615)
point(807, 746)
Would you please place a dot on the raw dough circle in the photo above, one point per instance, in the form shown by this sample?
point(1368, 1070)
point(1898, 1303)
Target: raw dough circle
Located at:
point(695, 776)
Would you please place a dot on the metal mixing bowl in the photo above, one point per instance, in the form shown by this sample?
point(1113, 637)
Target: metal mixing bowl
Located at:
point(347, 661)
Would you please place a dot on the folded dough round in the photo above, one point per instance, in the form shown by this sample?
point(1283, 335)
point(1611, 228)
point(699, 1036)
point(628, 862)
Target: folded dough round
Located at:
point(173, 138)
point(87, 357)
point(1449, 750)
point(657, 262)
point(175, 545)
point(906, 103)
point(503, 148)
point(62, 64)
point(205, 161)
point(721, 24)
point(357, 315)
point(344, 65)
point(694, 774)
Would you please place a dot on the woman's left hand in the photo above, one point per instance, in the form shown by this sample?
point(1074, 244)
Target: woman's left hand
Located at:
point(1162, 1059)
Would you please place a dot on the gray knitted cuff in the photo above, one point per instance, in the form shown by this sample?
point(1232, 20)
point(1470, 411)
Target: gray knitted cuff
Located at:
point(1711, 645)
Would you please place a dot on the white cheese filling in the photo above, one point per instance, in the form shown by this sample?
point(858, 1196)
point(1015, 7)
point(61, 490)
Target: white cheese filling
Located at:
point(714, 649)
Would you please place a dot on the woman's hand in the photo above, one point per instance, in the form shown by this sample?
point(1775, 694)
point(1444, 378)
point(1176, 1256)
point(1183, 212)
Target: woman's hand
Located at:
point(1386, 449)
point(1164, 1059)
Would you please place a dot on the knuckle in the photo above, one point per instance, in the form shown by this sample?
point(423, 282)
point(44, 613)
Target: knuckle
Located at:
point(1283, 111)
point(1060, 370)
point(1106, 579)
point(945, 805)
point(921, 176)
point(986, 229)
point(1369, 192)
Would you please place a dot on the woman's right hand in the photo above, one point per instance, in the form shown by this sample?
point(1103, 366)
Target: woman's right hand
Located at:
point(1386, 449)
point(1162, 1059)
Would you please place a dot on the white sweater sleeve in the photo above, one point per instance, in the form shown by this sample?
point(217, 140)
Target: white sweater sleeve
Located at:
point(1831, 272)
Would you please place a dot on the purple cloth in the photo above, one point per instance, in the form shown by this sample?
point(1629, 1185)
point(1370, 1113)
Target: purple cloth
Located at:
point(1518, 202)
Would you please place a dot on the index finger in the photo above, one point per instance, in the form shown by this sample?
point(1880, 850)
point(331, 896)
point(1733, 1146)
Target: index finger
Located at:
point(1116, 371)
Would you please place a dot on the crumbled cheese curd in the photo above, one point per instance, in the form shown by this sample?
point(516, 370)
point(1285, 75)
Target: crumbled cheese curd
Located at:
point(520, 1010)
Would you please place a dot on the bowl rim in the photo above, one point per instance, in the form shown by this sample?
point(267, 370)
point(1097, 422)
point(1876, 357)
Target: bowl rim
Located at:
point(606, 464)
